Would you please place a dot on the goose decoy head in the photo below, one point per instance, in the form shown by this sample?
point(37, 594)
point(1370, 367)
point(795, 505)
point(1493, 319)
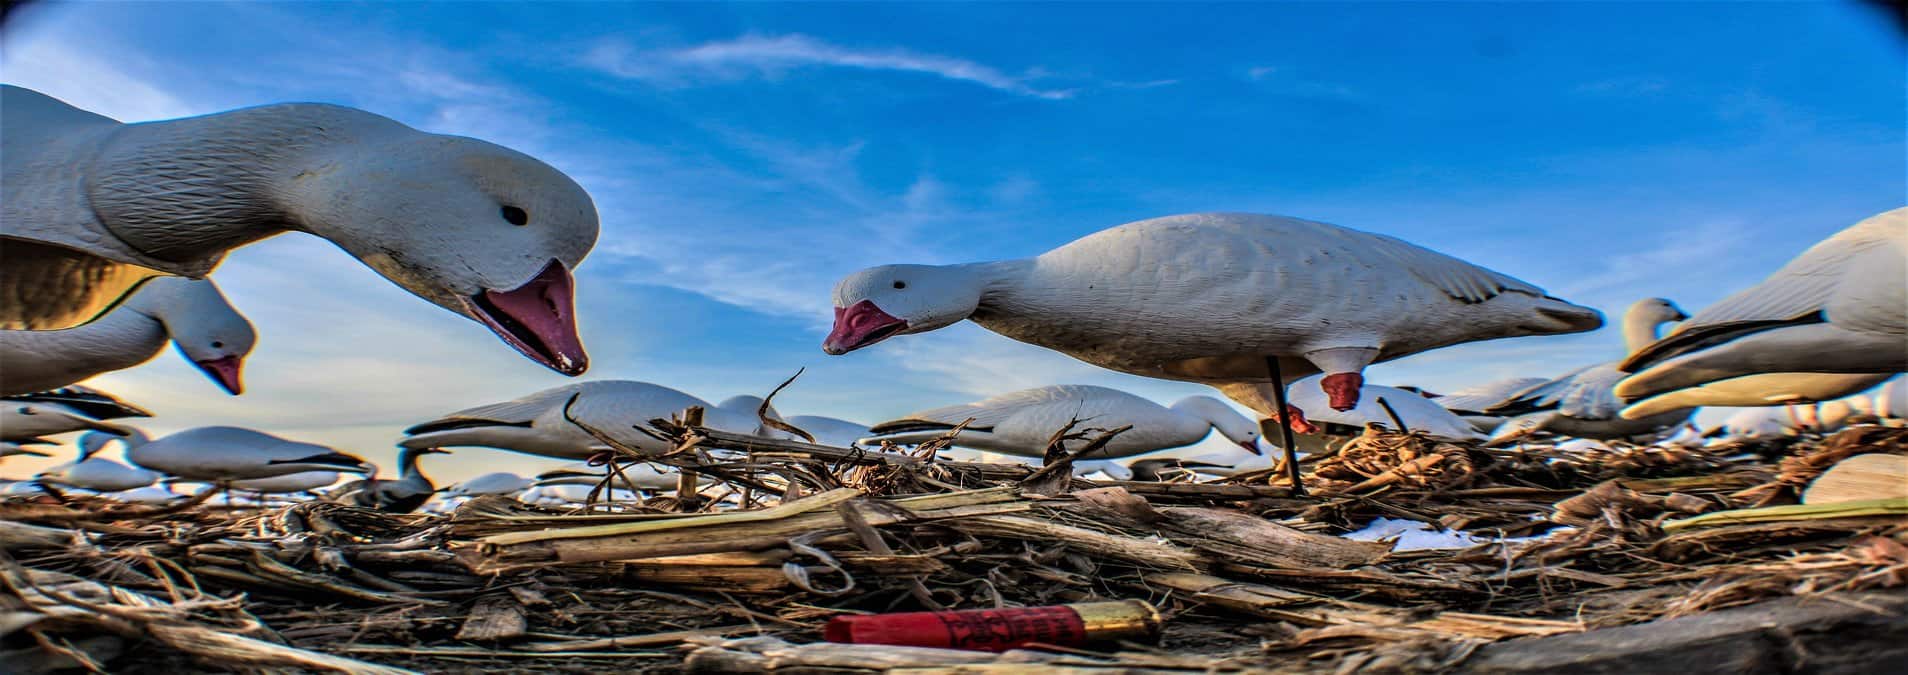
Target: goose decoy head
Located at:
point(479, 229)
point(881, 302)
point(202, 325)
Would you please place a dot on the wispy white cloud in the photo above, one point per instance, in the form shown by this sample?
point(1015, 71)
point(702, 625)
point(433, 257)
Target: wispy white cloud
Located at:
point(1290, 82)
point(92, 80)
point(1635, 85)
point(773, 56)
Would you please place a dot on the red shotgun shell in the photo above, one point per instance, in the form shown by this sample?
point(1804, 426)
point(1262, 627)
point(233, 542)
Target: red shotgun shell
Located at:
point(998, 630)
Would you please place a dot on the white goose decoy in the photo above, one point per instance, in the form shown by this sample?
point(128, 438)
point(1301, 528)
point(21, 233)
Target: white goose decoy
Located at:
point(1756, 391)
point(1471, 402)
point(566, 494)
point(27, 417)
point(1020, 423)
point(830, 431)
point(191, 313)
point(1840, 307)
point(1757, 424)
point(640, 475)
point(1891, 403)
point(225, 454)
point(91, 472)
point(1583, 403)
point(1419, 414)
point(535, 424)
point(291, 483)
point(1209, 298)
point(152, 494)
point(95, 206)
point(497, 483)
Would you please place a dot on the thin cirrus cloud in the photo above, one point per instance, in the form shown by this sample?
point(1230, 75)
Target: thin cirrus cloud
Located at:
point(770, 56)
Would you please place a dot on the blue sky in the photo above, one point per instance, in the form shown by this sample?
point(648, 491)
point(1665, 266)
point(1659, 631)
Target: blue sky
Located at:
point(745, 156)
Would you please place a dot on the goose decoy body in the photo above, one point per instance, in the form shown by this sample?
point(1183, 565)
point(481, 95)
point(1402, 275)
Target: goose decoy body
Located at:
point(1839, 307)
point(98, 474)
point(26, 417)
point(641, 476)
point(535, 424)
point(1209, 298)
point(224, 454)
point(1583, 403)
point(291, 483)
point(496, 483)
point(830, 431)
point(1757, 390)
point(1020, 423)
point(192, 314)
point(95, 207)
point(1470, 403)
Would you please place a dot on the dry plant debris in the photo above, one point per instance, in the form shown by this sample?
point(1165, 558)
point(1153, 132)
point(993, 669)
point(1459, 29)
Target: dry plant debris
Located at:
point(741, 575)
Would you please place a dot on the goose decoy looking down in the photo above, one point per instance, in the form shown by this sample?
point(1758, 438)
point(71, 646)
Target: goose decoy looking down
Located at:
point(1583, 403)
point(1839, 307)
point(224, 454)
point(95, 207)
point(1216, 298)
point(535, 424)
point(1022, 422)
point(1417, 413)
point(26, 417)
point(191, 313)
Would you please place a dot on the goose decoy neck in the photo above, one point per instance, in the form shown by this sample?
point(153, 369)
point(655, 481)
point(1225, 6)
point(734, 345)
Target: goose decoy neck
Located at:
point(220, 172)
point(1642, 320)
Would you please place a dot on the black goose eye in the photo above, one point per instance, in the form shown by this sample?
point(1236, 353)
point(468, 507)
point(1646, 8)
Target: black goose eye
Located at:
point(218, 345)
point(516, 216)
point(900, 284)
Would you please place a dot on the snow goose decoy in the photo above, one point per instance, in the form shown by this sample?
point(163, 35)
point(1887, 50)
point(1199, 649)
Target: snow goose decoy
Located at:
point(641, 476)
point(403, 494)
point(1417, 413)
point(535, 424)
point(1839, 307)
point(27, 417)
point(1470, 403)
point(1583, 403)
point(98, 474)
point(830, 431)
point(224, 454)
point(1210, 298)
point(1756, 391)
point(191, 313)
point(95, 207)
point(291, 483)
point(497, 483)
point(1020, 423)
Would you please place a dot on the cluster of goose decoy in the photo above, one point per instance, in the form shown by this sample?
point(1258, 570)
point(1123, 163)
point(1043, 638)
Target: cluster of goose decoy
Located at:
point(110, 230)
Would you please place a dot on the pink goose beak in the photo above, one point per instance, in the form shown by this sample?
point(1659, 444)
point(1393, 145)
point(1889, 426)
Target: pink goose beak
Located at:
point(538, 319)
point(225, 371)
point(860, 325)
